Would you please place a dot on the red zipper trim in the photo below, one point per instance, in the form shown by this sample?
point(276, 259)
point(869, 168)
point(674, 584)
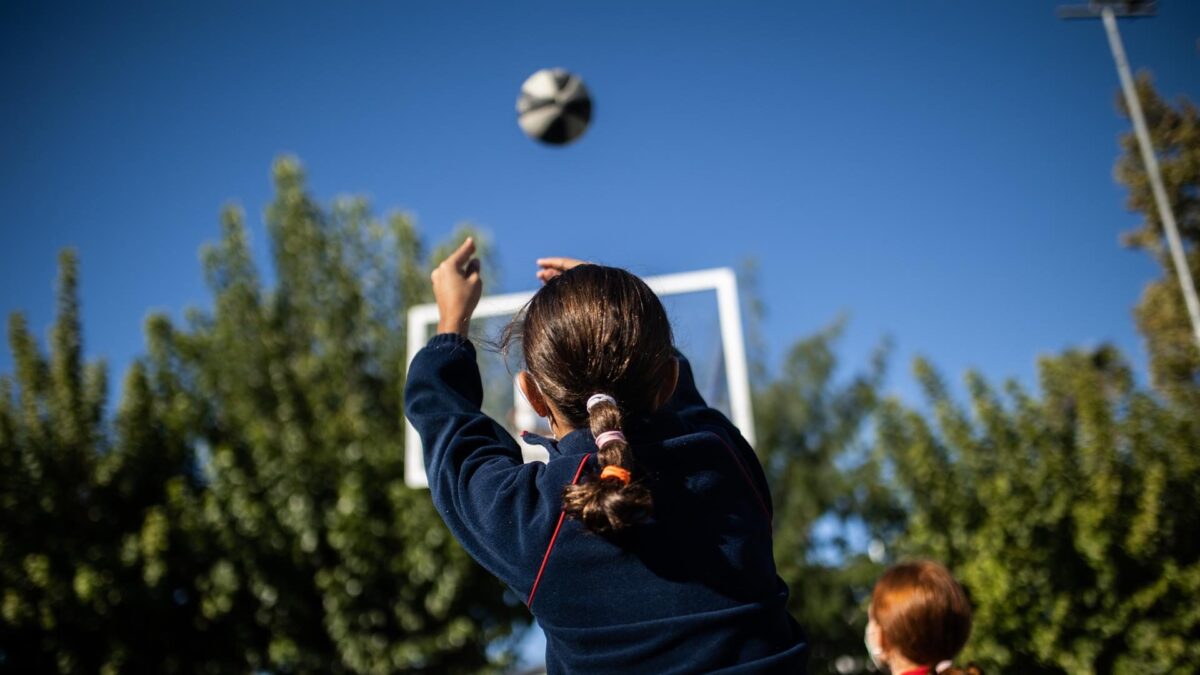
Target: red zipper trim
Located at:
point(554, 537)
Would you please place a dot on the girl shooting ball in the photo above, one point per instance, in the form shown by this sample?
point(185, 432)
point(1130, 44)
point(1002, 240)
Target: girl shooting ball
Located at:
point(644, 543)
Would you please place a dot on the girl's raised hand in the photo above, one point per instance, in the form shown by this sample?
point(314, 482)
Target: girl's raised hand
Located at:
point(456, 288)
point(548, 268)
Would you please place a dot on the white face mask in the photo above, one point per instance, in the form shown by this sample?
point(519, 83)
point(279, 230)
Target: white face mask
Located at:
point(871, 639)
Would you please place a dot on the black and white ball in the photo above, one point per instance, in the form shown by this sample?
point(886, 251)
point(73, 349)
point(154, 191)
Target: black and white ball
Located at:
point(554, 106)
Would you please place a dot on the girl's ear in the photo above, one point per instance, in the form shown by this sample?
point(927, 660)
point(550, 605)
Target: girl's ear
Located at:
point(668, 385)
point(532, 393)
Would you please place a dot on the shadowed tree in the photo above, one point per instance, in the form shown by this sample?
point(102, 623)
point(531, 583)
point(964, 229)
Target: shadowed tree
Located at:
point(826, 489)
point(99, 544)
point(1069, 514)
point(245, 509)
point(298, 390)
point(50, 444)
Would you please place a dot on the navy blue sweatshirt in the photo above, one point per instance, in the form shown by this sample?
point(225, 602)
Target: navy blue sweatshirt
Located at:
point(693, 590)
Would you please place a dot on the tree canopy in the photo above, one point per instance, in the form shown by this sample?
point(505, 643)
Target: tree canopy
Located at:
point(1161, 313)
point(246, 510)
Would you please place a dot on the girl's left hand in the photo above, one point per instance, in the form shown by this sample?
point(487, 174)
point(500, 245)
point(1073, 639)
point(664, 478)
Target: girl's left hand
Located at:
point(456, 288)
point(548, 268)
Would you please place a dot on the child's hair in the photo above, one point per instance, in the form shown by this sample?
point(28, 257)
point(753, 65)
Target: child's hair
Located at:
point(599, 330)
point(924, 613)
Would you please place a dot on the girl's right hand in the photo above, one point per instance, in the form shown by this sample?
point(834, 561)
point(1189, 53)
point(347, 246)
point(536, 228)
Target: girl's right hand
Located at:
point(548, 268)
point(456, 287)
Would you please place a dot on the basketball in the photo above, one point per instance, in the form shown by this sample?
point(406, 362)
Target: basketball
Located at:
point(554, 107)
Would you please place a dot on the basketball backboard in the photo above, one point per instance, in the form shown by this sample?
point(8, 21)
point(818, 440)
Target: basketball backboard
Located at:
point(706, 319)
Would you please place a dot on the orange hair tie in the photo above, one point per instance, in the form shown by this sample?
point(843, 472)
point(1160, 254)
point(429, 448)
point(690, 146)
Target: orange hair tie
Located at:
point(614, 471)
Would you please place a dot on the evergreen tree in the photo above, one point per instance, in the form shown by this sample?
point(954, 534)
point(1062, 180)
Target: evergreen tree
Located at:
point(1161, 314)
point(97, 559)
point(825, 487)
point(1068, 516)
point(50, 443)
point(296, 392)
point(244, 509)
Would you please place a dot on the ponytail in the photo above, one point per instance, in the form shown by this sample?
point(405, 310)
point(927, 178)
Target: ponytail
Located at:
point(590, 329)
point(970, 669)
point(611, 500)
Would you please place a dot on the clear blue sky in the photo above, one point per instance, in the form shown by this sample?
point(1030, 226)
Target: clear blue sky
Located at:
point(940, 170)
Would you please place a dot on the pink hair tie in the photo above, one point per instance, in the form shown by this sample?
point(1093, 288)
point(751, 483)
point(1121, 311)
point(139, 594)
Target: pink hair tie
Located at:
point(608, 437)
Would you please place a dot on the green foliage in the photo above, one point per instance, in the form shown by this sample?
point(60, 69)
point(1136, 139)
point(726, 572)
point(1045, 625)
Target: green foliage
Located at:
point(246, 509)
point(97, 556)
point(1161, 314)
point(1069, 516)
point(810, 428)
point(298, 394)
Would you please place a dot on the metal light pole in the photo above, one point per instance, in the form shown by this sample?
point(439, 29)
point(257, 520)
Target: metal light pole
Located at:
point(1108, 11)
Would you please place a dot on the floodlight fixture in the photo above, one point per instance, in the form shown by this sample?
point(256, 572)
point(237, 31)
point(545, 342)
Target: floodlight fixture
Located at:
point(1132, 9)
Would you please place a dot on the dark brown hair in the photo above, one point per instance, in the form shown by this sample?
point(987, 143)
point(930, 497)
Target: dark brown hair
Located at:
point(598, 330)
point(924, 613)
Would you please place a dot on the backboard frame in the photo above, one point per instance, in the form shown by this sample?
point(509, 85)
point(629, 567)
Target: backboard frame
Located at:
point(722, 280)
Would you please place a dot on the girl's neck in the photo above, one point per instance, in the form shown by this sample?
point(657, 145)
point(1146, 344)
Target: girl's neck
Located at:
point(557, 427)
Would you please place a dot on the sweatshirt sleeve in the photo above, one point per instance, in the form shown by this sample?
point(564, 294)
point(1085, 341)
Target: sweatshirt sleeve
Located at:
point(691, 406)
point(490, 499)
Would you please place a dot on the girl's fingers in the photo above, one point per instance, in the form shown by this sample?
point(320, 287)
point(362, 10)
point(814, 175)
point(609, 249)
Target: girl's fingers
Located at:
point(463, 253)
point(560, 264)
point(548, 268)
